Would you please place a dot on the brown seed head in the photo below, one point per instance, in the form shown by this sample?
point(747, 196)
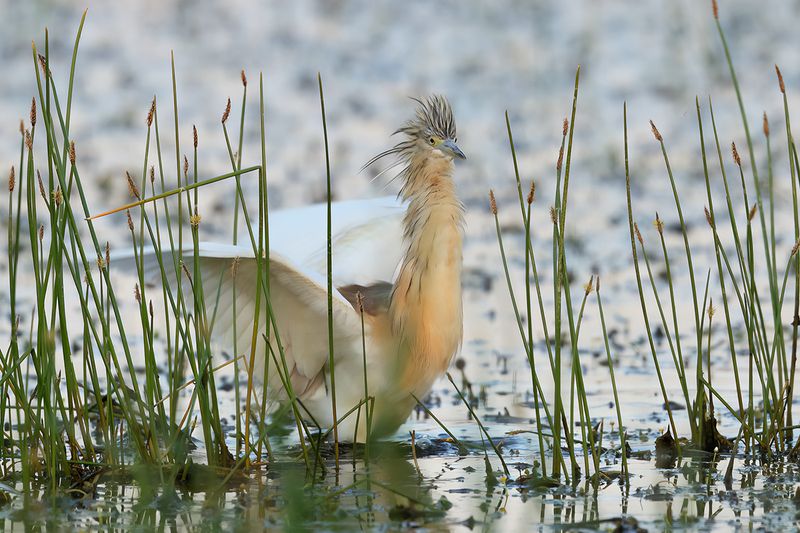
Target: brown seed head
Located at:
point(151, 112)
point(735, 152)
point(553, 215)
point(560, 158)
point(564, 127)
point(492, 202)
point(709, 218)
point(185, 166)
point(152, 174)
point(101, 263)
point(765, 125)
point(227, 112)
point(150, 308)
point(715, 9)
point(43, 63)
point(33, 112)
point(186, 271)
point(532, 193)
point(133, 190)
point(795, 248)
point(195, 219)
point(780, 80)
point(194, 135)
point(597, 284)
point(108, 253)
point(751, 215)
point(638, 233)
point(130, 220)
point(589, 287)
point(360, 300)
point(659, 225)
point(28, 140)
point(137, 294)
point(12, 179)
point(41, 185)
point(58, 196)
point(21, 127)
point(244, 78)
point(656, 133)
point(711, 309)
point(72, 153)
point(41, 233)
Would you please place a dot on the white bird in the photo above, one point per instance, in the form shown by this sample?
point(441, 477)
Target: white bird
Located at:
point(402, 256)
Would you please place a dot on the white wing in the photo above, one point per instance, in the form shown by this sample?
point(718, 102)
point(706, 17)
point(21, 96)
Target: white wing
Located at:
point(367, 236)
point(366, 248)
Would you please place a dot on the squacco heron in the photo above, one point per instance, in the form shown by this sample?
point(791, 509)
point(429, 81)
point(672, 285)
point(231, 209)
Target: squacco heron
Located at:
point(398, 260)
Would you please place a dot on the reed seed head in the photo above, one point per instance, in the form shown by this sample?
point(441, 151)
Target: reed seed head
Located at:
point(186, 271)
point(597, 284)
point(12, 179)
point(21, 127)
point(185, 166)
point(130, 220)
point(492, 202)
point(136, 294)
point(108, 254)
point(235, 266)
point(735, 152)
point(553, 215)
point(227, 112)
point(41, 233)
point(795, 248)
point(58, 196)
point(152, 174)
point(194, 135)
point(752, 214)
point(33, 112)
point(709, 218)
point(532, 193)
point(656, 133)
point(589, 287)
point(765, 125)
point(659, 225)
point(195, 219)
point(560, 158)
point(28, 140)
point(715, 9)
point(101, 263)
point(780, 80)
point(132, 188)
point(638, 233)
point(711, 309)
point(72, 153)
point(360, 300)
point(41, 185)
point(564, 127)
point(151, 112)
point(43, 63)
point(244, 79)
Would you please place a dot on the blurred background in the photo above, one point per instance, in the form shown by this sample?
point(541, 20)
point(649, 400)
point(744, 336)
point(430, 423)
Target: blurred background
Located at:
point(487, 57)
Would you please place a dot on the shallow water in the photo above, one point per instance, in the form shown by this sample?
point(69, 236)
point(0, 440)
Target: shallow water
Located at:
point(511, 55)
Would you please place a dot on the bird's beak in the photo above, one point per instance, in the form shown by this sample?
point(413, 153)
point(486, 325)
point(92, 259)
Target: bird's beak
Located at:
point(452, 148)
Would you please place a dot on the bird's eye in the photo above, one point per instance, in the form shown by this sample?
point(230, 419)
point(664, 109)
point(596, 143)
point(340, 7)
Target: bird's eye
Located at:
point(432, 141)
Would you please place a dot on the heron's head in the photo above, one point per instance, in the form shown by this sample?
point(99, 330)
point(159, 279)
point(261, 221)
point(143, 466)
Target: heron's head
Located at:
point(431, 133)
point(433, 130)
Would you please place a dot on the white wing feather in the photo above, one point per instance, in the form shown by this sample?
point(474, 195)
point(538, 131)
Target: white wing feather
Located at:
point(366, 247)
